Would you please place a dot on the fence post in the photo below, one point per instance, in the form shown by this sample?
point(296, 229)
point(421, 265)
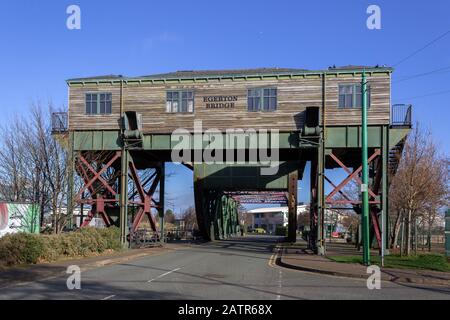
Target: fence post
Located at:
point(447, 233)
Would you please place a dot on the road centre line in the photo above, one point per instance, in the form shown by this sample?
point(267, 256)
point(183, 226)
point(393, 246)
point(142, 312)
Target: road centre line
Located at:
point(163, 275)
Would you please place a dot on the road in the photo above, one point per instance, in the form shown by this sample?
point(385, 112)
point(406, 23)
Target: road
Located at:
point(239, 269)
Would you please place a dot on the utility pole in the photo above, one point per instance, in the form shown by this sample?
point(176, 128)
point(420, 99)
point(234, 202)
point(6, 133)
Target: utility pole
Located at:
point(365, 175)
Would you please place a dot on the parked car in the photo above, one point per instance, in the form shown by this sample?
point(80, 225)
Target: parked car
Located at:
point(259, 231)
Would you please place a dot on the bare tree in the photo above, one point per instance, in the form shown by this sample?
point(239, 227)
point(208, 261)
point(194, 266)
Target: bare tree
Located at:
point(304, 218)
point(190, 218)
point(34, 166)
point(421, 183)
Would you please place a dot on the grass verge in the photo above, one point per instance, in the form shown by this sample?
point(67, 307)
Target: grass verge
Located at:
point(435, 262)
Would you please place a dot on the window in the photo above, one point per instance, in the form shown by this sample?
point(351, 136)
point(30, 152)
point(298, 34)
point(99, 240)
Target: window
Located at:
point(180, 101)
point(98, 103)
point(262, 99)
point(350, 96)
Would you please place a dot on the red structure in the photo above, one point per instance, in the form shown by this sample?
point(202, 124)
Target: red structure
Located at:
point(100, 174)
point(344, 200)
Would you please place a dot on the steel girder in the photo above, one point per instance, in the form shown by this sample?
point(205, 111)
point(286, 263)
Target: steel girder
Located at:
point(100, 173)
point(374, 198)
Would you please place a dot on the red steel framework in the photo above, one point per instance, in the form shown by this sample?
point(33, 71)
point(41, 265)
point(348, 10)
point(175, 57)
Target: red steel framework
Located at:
point(103, 192)
point(259, 197)
point(347, 200)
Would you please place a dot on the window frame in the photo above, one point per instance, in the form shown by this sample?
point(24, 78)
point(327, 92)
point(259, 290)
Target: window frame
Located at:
point(262, 99)
point(180, 100)
point(98, 102)
point(355, 102)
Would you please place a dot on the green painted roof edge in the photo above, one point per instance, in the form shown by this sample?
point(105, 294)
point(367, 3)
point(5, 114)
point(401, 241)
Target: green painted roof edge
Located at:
point(118, 79)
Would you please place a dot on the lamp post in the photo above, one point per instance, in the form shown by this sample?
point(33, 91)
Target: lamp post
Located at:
point(365, 176)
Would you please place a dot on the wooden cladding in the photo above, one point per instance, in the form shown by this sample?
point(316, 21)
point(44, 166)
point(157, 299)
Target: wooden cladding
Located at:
point(293, 97)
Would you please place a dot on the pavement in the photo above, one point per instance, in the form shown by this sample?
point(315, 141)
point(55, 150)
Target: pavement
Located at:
point(300, 258)
point(243, 268)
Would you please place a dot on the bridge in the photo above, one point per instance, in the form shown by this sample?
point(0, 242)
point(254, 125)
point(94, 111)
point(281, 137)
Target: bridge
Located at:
point(120, 132)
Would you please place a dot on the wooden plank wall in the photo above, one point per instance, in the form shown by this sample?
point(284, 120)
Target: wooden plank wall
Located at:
point(379, 111)
point(293, 97)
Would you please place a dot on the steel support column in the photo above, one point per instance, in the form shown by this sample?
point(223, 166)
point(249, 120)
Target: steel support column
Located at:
point(384, 191)
point(200, 198)
point(321, 200)
point(292, 206)
point(314, 205)
point(124, 198)
point(70, 178)
point(161, 208)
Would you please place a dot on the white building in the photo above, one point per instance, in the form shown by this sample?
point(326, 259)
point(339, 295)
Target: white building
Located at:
point(270, 218)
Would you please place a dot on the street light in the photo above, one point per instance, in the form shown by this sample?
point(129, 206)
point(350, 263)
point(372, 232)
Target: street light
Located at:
point(365, 176)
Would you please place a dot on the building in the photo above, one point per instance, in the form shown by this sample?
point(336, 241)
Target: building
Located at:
point(121, 130)
point(271, 218)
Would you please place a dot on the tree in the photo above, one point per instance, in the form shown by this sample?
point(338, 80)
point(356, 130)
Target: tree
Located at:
point(190, 218)
point(420, 184)
point(169, 217)
point(34, 166)
point(304, 218)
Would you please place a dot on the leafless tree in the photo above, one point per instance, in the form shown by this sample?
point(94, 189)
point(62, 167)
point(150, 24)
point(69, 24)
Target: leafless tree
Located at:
point(190, 219)
point(34, 165)
point(420, 184)
point(303, 218)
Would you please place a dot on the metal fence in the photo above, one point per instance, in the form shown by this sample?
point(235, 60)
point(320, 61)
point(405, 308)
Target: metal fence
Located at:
point(59, 122)
point(401, 115)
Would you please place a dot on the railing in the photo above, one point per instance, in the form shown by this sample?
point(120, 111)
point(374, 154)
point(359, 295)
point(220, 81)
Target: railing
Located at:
point(59, 122)
point(401, 115)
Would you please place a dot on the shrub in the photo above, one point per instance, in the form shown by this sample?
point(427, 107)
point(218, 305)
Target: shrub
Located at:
point(22, 248)
point(281, 231)
point(112, 238)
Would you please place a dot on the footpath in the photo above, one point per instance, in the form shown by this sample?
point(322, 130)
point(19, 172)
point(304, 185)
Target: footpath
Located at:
point(300, 258)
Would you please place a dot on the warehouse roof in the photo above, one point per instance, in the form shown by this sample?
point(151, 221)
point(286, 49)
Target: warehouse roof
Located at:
point(208, 74)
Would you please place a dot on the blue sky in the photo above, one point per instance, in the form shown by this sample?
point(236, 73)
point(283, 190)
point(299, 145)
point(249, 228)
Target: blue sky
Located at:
point(136, 38)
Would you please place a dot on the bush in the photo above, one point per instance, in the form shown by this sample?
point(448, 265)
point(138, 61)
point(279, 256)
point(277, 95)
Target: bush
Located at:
point(281, 231)
point(22, 248)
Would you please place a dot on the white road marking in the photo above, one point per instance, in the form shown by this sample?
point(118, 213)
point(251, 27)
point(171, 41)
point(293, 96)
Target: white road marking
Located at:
point(280, 284)
point(163, 275)
point(109, 297)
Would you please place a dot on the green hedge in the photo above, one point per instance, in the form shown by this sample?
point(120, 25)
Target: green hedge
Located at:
point(23, 248)
point(281, 231)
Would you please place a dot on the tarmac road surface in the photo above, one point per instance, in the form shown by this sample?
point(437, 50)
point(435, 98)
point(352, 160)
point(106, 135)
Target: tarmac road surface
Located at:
point(238, 269)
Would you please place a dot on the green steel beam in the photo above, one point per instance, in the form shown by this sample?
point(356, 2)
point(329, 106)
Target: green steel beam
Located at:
point(161, 210)
point(243, 177)
point(71, 178)
point(110, 140)
point(321, 199)
point(396, 135)
point(384, 194)
point(337, 137)
point(292, 206)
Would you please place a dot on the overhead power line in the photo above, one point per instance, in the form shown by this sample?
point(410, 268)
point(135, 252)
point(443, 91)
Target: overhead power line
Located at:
point(423, 74)
point(421, 49)
point(426, 95)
